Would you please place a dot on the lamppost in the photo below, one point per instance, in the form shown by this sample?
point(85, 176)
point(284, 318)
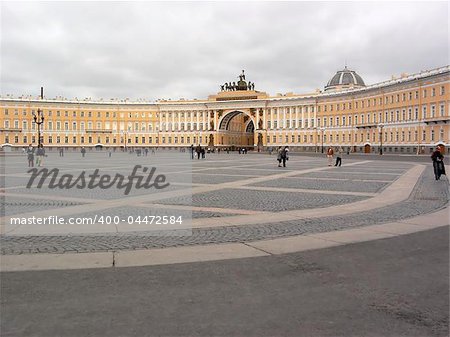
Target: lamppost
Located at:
point(380, 127)
point(39, 119)
point(125, 138)
point(322, 130)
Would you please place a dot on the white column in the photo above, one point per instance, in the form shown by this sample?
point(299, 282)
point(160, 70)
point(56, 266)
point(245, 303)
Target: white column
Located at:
point(264, 118)
point(278, 117)
point(302, 109)
point(271, 117)
point(173, 121)
point(296, 117)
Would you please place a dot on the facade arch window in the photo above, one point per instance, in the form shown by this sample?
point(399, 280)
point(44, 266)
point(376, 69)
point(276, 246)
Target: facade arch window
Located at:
point(432, 135)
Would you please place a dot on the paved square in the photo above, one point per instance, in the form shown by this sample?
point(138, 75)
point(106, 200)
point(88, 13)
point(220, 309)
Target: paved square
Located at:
point(223, 198)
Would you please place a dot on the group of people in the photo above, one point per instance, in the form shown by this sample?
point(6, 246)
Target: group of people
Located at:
point(438, 163)
point(331, 153)
point(200, 151)
point(31, 153)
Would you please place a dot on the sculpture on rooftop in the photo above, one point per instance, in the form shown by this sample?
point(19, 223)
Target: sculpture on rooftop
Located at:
point(241, 85)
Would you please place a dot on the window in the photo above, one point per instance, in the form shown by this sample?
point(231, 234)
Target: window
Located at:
point(442, 90)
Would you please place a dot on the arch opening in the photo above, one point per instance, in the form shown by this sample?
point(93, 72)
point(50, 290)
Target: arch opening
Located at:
point(236, 130)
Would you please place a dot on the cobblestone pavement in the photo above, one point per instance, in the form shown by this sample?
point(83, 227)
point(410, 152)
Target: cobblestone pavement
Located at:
point(428, 195)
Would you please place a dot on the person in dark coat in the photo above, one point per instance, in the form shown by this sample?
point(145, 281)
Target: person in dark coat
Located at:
point(30, 155)
point(83, 151)
point(438, 163)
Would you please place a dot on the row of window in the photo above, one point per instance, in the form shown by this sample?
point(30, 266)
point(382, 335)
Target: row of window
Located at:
point(99, 114)
point(108, 140)
point(361, 119)
point(397, 136)
point(389, 99)
point(130, 127)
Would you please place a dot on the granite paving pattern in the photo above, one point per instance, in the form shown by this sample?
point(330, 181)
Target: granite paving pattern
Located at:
point(428, 195)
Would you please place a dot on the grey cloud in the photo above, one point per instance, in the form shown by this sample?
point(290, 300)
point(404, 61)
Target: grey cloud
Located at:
point(170, 50)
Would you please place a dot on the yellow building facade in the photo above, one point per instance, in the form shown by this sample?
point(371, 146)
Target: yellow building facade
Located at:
point(409, 114)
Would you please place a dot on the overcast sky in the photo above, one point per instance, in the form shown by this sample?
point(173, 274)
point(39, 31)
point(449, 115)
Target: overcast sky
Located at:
point(154, 50)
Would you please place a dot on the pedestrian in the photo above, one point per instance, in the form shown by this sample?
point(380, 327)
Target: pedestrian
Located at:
point(110, 153)
point(30, 155)
point(83, 151)
point(198, 150)
point(192, 151)
point(146, 151)
point(203, 153)
point(282, 156)
point(40, 153)
point(61, 152)
point(330, 153)
point(338, 157)
point(438, 163)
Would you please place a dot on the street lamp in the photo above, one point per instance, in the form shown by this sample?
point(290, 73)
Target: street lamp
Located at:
point(39, 118)
point(380, 127)
point(322, 130)
point(125, 138)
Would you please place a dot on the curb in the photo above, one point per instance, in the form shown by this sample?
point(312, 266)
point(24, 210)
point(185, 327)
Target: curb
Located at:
point(216, 252)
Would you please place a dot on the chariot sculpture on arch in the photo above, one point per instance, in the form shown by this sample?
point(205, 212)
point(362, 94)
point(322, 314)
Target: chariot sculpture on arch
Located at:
point(241, 85)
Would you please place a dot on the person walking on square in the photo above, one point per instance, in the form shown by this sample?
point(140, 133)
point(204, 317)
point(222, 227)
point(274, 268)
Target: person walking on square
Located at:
point(279, 156)
point(284, 155)
point(192, 151)
point(83, 151)
point(330, 153)
point(40, 153)
point(438, 163)
point(30, 155)
point(338, 157)
point(198, 150)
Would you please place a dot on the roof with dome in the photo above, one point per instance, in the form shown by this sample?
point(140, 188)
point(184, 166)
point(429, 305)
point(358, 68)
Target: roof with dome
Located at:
point(344, 79)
